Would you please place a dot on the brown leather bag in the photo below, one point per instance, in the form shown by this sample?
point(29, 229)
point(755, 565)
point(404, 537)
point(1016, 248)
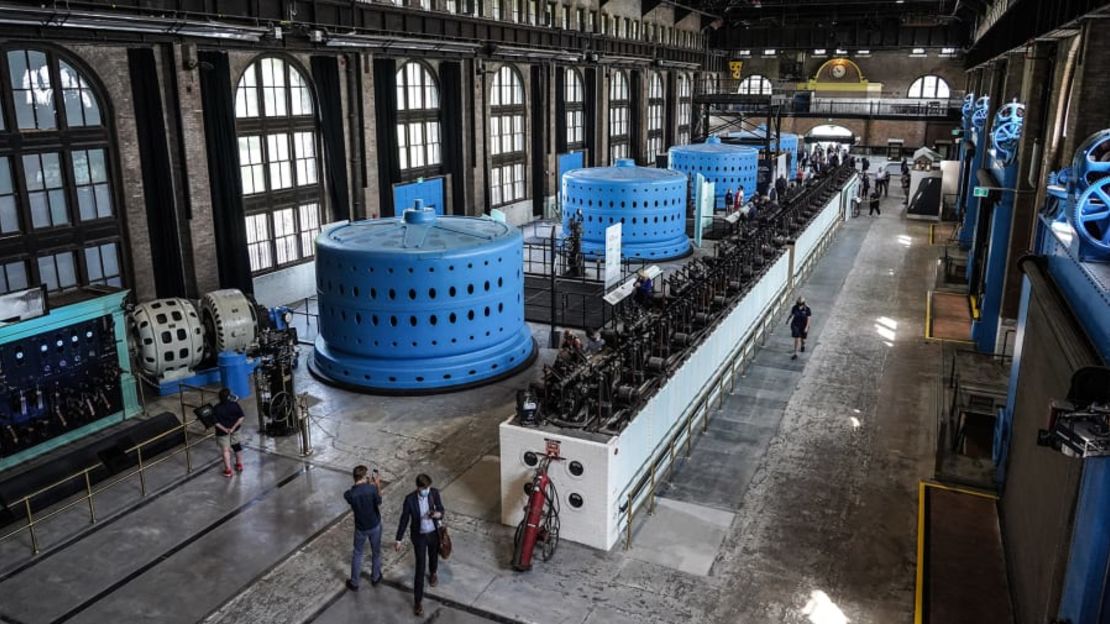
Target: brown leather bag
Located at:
point(444, 543)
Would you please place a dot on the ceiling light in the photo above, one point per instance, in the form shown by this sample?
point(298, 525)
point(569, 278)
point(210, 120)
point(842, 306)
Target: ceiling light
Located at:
point(745, 52)
point(841, 52)
point(769, 52)
point(863, 52)
point(820, 51)
point(919, 50)
point(948, 50)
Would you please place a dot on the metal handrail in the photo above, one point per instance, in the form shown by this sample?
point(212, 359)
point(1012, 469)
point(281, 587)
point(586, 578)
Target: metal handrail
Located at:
point(91, 492)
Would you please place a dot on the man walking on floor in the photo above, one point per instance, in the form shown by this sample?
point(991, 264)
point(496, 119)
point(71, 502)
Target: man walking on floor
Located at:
point(799, 325)
point(873, 209)
point(422, 512)
point(365, 500)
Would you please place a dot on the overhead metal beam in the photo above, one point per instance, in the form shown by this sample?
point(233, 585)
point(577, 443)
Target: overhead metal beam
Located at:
point(1026, 21)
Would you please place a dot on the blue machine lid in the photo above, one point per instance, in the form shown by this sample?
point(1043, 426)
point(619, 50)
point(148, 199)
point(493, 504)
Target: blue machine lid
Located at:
point(418, 230)
point(713, 145)
point(625, 170)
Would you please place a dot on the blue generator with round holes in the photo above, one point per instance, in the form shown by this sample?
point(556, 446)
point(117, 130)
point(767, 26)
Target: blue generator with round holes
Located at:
point(421, 303)
point(649, 203)
point(727, 166)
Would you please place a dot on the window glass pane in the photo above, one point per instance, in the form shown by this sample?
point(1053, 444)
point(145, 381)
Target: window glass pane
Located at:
point(304, 144)
point(9, 217)
point(80, 103)
point(274, 90)
point(32, 91)
point(277, 149)
point(43, 177)
point(258, 242)
point(250, 165)
point(300, 99)
point(246, 94)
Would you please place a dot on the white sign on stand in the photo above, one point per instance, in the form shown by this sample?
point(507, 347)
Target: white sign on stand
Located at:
point(612, 255)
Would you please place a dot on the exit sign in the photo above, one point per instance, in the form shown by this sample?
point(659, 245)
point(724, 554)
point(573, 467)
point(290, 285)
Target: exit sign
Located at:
point(955, 132)
point(981, 191)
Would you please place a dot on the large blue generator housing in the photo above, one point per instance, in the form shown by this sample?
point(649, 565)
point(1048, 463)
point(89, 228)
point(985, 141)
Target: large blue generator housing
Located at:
point(420, 303)
point(649, 203)
point(728, 167)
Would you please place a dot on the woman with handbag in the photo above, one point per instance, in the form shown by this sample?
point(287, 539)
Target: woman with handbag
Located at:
point(422, 513)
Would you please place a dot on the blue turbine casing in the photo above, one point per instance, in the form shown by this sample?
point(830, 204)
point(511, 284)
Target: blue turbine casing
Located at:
point(420, 303)
point(727, 166)
point(650, 203)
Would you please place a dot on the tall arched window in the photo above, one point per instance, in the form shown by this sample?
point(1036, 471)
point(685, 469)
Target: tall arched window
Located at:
point(278, 142)
point(618, 115)
point(929, 87)
point(755, 85)
point(418, 127)
point(684, 109)
point(506, 137)
point(576, 124)
point(59, 210)
point(657, 100)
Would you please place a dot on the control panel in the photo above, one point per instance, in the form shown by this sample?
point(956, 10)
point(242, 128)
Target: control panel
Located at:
point(57, 381)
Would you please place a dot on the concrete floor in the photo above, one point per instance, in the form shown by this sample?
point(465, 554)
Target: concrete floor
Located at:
point(797, 506)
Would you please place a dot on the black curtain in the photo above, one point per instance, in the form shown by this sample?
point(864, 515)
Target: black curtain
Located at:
point(325, 71)
point(589, 100)
point(669, 116)
point(451, 98)
point(635, 101)
point(560, 110)
point(539, 142)
point(161, 207)
point(224, 182)
point(385, 107)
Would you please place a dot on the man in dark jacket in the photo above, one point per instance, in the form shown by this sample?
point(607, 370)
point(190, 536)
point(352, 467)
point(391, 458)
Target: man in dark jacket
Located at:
point(365, 500)
point(866, 164)
point(421, 513)
point(229, 419)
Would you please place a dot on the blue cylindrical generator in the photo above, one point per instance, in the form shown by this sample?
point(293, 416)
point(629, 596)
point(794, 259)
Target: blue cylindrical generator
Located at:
point(650, 205)
point(727, 166)
point(420, 303)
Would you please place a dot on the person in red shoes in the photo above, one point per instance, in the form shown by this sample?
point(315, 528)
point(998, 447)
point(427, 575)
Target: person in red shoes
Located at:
point(229, 418)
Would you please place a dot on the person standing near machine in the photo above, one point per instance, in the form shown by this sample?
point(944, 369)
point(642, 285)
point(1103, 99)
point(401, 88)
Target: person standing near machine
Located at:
point(365, 500)
point(799, 325)
point(728, 200)
point(229, 418)
point(421, 513)
point(873, 208)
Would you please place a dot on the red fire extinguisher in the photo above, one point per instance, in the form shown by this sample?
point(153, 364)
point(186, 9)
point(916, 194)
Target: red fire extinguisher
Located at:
point(540, 525)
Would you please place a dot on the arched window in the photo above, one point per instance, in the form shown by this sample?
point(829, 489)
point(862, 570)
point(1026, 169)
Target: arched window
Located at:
point(618, 115)
point(657, 100)
point(418, 121)
point(684, 109)
point(278, 142)
point(929, 87)
point(576, 124)
point(59, 209)
point(506, 137)
point(755, 85)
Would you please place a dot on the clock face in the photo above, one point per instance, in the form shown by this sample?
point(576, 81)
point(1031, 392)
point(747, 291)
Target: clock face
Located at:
point(838, 71)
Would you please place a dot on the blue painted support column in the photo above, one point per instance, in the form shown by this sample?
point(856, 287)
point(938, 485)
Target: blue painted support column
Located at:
point(984, 330)
point(971, 202)
point(1003, 425)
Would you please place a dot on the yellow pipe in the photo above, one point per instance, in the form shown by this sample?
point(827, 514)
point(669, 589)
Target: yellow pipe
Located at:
point(961, 489)
point(928, 315)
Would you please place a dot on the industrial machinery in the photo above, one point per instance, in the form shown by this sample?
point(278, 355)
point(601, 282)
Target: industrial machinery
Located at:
point(649, 203)
point(1089, 209)
point(991, 237)
point(225, 339)
point(540, 524)
point(63, 375)
point(644, 343)
point(421, 303)
point(727, 166)
point(1080, 426)
point(617, 412)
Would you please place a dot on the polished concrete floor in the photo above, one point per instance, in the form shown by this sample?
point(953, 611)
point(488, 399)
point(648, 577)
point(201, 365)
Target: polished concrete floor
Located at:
point(798, 505)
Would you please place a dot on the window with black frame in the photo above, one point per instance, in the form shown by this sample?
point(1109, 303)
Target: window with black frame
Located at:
point(60, 221)
point(657, 101)
point(576, 110)
point(278, 162)
point(684, 109)
point(618, 115)
point(506, 137)
point(418, 124)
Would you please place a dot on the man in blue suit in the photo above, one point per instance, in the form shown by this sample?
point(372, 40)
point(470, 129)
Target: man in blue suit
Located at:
point(421, 513)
